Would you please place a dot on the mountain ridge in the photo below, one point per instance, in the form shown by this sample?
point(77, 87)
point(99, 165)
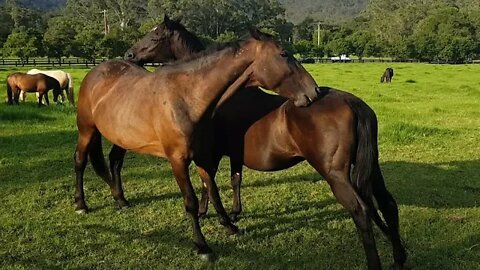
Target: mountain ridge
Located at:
point(296, 10)
point(325, 10)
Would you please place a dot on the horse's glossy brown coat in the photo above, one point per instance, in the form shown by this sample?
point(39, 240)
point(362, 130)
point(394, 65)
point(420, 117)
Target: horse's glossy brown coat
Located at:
point(40, 83)
point(168, 113)
point(267, 133)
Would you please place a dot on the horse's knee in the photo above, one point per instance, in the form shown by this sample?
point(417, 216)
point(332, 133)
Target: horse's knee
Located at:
point(191, 204)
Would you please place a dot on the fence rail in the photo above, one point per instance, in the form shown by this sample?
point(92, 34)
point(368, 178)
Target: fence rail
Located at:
point(313, 60)
point(79, 62)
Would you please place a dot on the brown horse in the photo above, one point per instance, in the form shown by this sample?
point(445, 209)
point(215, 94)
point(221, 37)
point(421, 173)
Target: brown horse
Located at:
point(168, 114)
point(387, 75)
point(41, 83)
point(267, 133)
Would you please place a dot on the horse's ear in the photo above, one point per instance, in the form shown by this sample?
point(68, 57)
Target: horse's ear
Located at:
point(166, 19)
point(178, 19)
point(255, 33)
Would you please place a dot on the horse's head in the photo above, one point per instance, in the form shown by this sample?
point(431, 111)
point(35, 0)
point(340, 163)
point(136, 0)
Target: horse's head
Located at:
point(57, 91)
point(155, 46)
point(275, 69)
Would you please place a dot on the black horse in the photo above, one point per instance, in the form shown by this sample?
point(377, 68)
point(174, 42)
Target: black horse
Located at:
point(387, 76)
point(267, 133)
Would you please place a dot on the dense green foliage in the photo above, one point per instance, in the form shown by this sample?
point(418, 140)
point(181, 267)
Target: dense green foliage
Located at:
point(332, 11)
point(429, 30)
point(429, 122)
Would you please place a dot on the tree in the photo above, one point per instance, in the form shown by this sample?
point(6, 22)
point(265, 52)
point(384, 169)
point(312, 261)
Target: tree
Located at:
point(20, 44)
point(305, 29)
point(6, 25)
point(87, 43)
point(59, 37)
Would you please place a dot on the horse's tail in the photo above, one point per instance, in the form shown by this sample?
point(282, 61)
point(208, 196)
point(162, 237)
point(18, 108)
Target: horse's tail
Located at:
point(366, 158)
point(70, 94)
point(9, 92)
point(96, 156)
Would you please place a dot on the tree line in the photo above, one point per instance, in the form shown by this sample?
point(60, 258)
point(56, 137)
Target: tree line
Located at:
point(426, 30)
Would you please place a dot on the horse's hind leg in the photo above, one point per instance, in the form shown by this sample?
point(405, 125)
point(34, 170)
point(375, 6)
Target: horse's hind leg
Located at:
point(389, 209)
point(116, 156)
point(85, 136)
point(347, 196)
point(16, 95)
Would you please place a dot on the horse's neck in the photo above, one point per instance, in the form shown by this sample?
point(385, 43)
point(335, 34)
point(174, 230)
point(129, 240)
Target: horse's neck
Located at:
point(219, 77)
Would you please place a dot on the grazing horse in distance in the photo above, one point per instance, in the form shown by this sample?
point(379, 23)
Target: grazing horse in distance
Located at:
point(387, 76)
point(167, 113)
point(39, 83)
point(267, 133)
point(65, 80)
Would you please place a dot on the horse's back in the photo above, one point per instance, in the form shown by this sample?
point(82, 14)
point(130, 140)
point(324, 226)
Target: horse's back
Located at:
point(60, 75)
point(28, 82)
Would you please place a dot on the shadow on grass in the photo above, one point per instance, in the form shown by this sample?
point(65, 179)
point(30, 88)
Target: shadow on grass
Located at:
point(438, 185)
point(24, 116)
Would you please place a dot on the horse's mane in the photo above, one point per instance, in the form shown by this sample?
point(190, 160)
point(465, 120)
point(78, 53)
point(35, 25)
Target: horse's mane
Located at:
point(202, 58)
point(187, 38)
point(198, 54)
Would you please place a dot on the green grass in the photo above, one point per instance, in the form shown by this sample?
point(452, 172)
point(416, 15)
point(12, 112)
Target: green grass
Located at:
point(429, 122)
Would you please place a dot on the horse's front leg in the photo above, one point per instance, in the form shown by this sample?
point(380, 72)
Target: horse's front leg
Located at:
point(207, 174)
point(40, 99)
point(180, 171)
point(236, 181)
point(46, 98)
point(204, 199)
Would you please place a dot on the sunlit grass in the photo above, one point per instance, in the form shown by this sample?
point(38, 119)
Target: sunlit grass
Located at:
point(429, 122)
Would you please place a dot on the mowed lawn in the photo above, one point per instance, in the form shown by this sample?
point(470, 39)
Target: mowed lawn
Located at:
point(429, 121)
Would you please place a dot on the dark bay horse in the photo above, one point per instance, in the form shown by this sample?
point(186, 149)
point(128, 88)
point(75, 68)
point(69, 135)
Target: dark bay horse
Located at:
point(387, 75)
point(168, 114)
point(41, 83)
point(267, 133)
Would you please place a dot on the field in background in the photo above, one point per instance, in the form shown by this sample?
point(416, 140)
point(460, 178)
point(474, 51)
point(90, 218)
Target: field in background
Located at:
point(429, 121)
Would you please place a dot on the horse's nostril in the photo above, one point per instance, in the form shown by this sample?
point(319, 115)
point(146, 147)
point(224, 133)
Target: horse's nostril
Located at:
point(129, 55)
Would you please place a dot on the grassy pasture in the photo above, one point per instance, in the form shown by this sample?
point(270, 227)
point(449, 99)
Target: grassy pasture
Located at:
point(429, 121)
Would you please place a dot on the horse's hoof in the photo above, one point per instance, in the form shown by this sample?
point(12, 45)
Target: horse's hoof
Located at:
point(396, 266)
point(232, 229)
point(207, 257)
point(81, 211)
point(234, 217)
point(123, 204)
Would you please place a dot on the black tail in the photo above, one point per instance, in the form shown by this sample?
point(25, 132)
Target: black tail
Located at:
point(366, 159)
point(97, 159)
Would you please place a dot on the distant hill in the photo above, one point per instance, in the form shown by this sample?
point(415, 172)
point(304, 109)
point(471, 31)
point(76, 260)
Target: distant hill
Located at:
point(40, 4)
point(325, 10)
point(296, 10)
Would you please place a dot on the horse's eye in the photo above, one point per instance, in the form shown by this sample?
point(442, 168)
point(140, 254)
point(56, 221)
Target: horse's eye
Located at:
point(284, 54)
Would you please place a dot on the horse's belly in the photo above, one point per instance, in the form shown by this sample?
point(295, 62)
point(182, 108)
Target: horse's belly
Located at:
point(129, 131)
point(270, 162)
point(267, 148)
